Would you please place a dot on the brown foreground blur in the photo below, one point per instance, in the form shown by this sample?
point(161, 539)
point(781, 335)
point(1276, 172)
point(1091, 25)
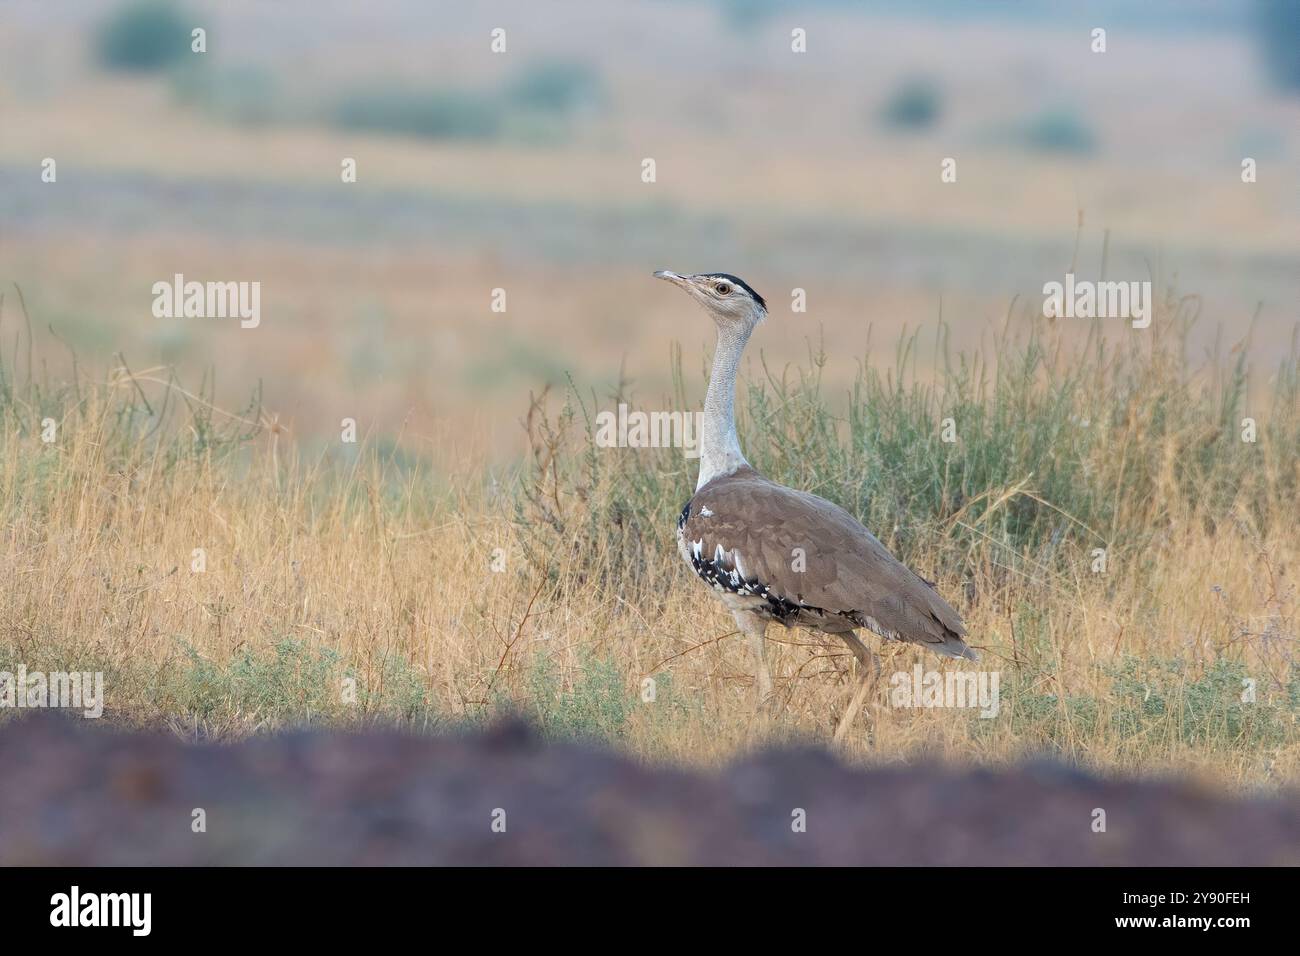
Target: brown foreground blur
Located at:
point(95, 798)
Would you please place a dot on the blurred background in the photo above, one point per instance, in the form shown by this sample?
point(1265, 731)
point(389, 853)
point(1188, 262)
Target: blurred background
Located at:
point(522, 170)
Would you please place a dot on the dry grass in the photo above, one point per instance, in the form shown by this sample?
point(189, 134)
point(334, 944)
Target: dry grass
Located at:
point(557, 590)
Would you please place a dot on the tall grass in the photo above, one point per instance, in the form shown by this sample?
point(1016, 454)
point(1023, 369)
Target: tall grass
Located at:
point(1058, 449)
point(439, 597)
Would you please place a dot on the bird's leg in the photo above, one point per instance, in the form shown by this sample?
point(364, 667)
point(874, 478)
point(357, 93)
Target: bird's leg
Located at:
point(868, 662)
point(869, 669)
point(754, 628)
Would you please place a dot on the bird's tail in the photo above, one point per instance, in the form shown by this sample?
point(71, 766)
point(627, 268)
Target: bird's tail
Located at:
point(954, 646)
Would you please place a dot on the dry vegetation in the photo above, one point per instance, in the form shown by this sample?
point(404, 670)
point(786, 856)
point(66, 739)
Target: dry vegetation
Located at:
point(372, 563)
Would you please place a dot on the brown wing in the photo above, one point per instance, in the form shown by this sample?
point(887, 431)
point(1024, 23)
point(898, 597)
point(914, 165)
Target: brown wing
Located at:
point(804, 550)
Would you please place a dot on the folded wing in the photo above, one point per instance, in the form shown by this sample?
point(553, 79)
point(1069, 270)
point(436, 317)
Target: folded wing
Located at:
point(799, 549)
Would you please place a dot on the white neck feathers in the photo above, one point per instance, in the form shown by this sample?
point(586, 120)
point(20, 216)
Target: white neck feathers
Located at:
point(719, 448)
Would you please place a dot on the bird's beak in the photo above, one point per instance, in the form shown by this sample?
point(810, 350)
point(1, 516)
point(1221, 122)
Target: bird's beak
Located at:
point(672, 277)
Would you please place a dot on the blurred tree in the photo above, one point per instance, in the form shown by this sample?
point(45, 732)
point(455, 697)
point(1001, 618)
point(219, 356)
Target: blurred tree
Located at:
point(143, 36)
point(914, 105)
point(1278, 23)
point(556, 86)
point(746, 16)
point(1059, 130)
point(432, 114)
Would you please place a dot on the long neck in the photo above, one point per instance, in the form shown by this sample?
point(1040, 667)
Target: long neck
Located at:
point(719, 448)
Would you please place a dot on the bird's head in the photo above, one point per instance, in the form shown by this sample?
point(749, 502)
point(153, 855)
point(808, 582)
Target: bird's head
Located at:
point(729, 300)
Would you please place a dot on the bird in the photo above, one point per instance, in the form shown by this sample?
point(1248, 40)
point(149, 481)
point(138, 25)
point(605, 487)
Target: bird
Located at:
point(776, 554)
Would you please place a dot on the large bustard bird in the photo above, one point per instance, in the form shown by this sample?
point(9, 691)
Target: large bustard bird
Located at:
point(772, 553)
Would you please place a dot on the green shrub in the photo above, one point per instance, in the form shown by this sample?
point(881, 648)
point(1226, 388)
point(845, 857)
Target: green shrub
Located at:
point(431, 114)
point(593, 704)
point(297, 683)
point(556, 87)
point(914, 105)
point(1278, 30)
point(1059, 131)
point(239, 94)
point(1147, 700)
point(143, 36)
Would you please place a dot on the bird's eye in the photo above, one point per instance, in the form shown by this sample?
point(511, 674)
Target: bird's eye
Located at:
point(722, 288)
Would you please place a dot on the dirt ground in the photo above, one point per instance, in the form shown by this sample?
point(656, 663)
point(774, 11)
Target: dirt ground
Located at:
point(79, 796)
